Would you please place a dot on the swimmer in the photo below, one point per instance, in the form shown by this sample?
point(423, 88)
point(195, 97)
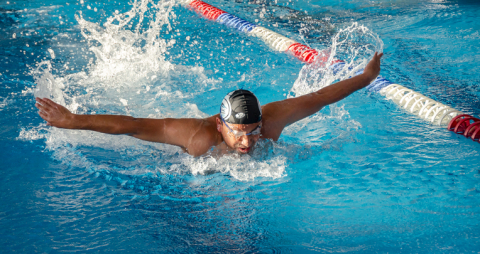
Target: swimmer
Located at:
point(240, 124)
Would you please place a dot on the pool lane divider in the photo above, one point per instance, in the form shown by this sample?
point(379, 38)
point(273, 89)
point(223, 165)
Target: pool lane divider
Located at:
point(414, 102)
point(274, 40)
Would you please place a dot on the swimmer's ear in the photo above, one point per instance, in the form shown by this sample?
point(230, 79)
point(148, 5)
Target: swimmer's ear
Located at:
point(219, 124)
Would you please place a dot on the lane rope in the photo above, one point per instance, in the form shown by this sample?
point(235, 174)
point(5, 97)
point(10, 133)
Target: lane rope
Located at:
point(413, 102)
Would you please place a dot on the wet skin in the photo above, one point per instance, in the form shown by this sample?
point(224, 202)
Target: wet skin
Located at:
point(242, 144)
point(198, 136)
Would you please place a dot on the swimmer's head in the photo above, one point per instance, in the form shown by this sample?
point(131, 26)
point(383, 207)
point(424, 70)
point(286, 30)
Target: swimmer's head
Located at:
point(240, 120)
point(241, 107)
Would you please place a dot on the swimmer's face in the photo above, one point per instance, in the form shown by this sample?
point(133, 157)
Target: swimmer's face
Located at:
point(241, 143)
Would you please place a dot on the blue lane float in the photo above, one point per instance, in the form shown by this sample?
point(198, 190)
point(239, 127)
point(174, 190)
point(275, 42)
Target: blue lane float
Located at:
point(236, 22)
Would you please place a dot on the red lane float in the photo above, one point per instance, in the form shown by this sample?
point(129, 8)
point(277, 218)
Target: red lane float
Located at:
point(474, 127)
point(467, 125)
point(476, 135)
point(303, 52)
point(309, 55)
point(208, 11)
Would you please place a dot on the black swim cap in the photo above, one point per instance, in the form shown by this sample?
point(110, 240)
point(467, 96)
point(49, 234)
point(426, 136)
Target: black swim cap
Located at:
point(241, 107)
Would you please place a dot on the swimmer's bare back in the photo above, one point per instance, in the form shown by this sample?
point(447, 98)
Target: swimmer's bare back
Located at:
point(198, 136)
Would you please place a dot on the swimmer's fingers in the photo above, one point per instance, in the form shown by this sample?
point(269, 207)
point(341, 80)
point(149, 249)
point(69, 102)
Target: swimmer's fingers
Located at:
point(46, 102)
point(50, 103)
point(44, 111)
point(376, 58)
point(41, 107)
point(55, 114)
point(44, 116)
point(373, 67)
point(378, 55)
point(50, 106)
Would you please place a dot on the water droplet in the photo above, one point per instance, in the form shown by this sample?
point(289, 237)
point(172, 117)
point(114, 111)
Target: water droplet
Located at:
point(124, 102)
point(52, 54)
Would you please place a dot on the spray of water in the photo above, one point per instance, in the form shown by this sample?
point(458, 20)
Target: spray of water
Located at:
point(354, 44)
point(131, 75)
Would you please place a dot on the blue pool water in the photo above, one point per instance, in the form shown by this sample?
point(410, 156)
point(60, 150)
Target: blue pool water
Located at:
point(362, 175)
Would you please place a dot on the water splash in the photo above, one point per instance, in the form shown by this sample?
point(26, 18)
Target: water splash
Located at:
point(131, 75)
point(354, 44)
point(140, 52)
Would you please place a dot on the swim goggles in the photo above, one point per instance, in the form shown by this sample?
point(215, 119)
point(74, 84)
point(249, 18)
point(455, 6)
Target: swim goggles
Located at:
point(239, 134)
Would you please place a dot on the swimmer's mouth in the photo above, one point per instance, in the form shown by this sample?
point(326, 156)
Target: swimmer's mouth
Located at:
point(244, 150)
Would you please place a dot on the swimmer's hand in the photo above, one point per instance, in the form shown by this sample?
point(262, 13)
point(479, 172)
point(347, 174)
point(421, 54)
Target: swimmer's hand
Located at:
point(372, 69)
point(55, 114)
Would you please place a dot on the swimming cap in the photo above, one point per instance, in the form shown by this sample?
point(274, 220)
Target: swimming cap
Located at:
point(241, 107)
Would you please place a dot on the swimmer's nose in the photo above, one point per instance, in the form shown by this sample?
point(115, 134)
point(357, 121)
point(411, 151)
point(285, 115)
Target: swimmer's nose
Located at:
point(246, 141)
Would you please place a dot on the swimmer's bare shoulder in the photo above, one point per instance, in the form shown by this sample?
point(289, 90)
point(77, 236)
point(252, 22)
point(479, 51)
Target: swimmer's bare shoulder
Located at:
point(194, 136)
point(200, 135)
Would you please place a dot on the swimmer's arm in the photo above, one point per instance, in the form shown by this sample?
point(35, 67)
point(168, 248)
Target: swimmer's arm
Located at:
point(179, 132)
point(291, 110)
